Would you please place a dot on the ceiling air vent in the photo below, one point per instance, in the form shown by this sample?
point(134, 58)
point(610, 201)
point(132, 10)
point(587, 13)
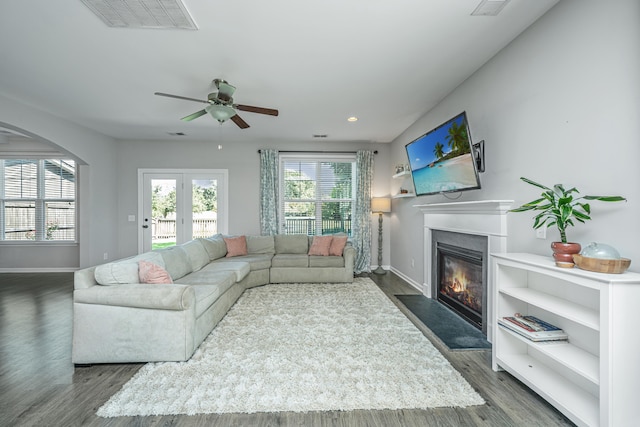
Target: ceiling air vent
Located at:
point(142, 13)
point(489, 8)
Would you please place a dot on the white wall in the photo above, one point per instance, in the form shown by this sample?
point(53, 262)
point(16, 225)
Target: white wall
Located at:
point(560, 104)
point(97, 156)
point(243, 162)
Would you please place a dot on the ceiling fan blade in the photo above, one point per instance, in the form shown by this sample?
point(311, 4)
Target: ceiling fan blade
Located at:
point(194, 115)
point(259, 110)
point(238, 120)
point(180, 97)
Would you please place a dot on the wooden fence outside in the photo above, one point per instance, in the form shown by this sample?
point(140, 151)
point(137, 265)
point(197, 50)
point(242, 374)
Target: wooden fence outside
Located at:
point(165, 229)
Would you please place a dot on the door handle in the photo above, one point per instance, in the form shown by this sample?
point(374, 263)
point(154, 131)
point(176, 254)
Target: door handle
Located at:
point(145, 226)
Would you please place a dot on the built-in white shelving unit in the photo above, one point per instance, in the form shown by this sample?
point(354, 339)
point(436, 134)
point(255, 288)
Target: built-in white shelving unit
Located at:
point(594, 377)
point(406, 183)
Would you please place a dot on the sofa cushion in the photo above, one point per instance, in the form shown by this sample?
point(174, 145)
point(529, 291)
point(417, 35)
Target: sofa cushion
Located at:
point(126, 270)
point(290, 260)
point(260, 245)
point(215, 246)
point(256, 261)
point(326, 261)
point(198, 256)
point(239, 268)
point(291, 243)
point(320, 245)
point(236, 246)
point(176, 262)
point(149, 272)
point(337, 245)
point(208, 286)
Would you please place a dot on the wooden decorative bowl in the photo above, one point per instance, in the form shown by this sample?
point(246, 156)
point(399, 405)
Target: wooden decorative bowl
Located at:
point(600, 265)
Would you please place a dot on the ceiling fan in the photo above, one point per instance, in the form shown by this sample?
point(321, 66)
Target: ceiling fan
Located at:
point(221, 106)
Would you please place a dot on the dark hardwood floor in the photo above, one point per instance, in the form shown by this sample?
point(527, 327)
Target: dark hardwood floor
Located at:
point(40, 387)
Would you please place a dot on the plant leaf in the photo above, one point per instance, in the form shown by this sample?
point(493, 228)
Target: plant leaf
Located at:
point(528, 181)
point(580, 216)
point(606, 198)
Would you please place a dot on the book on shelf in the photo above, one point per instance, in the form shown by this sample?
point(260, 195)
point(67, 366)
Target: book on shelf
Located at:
point(533, 328)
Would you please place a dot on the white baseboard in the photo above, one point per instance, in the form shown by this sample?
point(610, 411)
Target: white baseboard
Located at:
point(39, 270)
point(418, 286)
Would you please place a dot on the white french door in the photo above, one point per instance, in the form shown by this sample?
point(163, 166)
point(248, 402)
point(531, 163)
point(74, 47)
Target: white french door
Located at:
point(176, 206)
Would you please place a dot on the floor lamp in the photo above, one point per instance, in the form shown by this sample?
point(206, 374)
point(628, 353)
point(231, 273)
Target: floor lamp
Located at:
point(380, 205)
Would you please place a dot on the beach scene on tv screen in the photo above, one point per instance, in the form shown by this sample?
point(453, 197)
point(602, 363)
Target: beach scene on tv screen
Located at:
point(441, 160)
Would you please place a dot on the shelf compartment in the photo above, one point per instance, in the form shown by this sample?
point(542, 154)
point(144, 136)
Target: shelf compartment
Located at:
point(576, 403)
point(562, 307)
point(574, 358)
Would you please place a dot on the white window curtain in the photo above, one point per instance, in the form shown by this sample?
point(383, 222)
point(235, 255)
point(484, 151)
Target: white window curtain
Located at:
point(362, 216)
point(268, 192)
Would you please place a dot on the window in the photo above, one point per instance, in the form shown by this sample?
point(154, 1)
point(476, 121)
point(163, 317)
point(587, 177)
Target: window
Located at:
point(317, 194)
point(37, 200)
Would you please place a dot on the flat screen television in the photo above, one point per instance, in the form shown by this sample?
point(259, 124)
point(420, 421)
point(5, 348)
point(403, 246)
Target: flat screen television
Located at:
point(442, 159)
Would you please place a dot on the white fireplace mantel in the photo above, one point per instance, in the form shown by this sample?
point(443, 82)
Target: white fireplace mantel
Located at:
point(484, 218)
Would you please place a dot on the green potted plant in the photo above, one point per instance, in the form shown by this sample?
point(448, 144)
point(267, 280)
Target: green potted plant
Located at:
point(560, 207)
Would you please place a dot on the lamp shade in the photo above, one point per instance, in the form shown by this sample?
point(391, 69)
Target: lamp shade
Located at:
point(220, 112)
point(381, 204)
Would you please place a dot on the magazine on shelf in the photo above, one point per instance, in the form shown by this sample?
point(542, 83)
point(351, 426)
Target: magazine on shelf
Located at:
point(533, 328)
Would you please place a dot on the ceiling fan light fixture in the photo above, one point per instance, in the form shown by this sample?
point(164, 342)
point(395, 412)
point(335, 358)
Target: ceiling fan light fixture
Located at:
point(220, 112)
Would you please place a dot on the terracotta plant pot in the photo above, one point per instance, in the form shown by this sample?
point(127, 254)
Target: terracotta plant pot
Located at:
point(563, 253)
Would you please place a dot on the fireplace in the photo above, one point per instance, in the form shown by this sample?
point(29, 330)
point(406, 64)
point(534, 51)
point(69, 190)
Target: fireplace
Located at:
point(460, 282)
point(460, 275)
point(480, 226)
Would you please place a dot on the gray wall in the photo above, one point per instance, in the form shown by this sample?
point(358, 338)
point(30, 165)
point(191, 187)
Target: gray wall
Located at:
point(97, 181)
point(560, 104)
point(243, 163)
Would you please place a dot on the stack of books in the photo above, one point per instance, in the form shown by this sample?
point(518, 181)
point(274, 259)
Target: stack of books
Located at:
point(533, 328)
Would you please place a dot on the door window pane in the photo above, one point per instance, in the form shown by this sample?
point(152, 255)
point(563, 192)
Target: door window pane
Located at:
point(204, 207)
point(163, 213)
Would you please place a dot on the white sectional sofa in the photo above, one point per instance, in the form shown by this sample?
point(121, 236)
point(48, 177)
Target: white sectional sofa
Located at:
point(117, 319)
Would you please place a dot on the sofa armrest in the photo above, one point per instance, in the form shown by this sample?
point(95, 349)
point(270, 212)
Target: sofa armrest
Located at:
point(139, 295)
point(349, 254)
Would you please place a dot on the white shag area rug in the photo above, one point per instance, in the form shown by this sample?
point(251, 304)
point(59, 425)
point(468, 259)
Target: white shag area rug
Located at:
point(301, 347)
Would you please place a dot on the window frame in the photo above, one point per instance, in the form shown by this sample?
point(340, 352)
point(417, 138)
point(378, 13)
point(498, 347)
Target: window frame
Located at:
point(40, 201)
point(317, 158)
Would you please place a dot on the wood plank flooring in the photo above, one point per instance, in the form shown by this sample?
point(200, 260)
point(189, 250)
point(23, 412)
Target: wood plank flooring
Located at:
point(39, 386)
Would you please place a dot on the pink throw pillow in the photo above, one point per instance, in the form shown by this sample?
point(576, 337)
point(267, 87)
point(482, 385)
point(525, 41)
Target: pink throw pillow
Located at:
point(337, 245)
point(236, 246)
point(320, 245)
point(152, 273)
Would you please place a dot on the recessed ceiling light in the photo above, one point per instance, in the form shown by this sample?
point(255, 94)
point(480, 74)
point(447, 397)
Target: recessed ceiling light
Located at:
point(352, 119)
